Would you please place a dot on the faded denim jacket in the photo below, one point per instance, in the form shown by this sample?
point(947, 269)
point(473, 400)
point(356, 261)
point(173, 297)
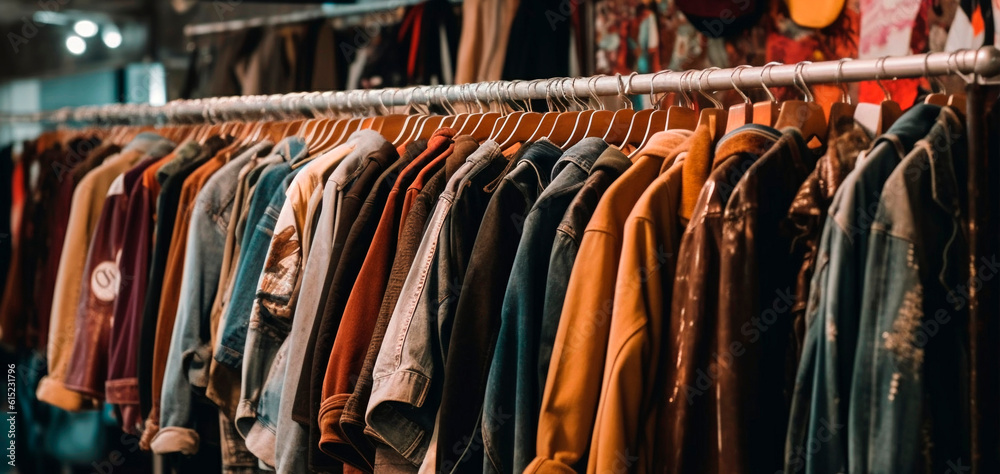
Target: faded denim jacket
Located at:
point(914, 401)
point(820, 401)
point(190, 343)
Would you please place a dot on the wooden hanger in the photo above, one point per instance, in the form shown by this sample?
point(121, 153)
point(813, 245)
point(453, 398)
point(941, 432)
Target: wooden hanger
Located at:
point(938, 95)
point(561, 128)
point(518, 127)
point(618, 128)
point(957, 100)
point(480, 130)
point(806, 115)
point(879, 117)
point(741, 113)
point(716, 117)
point(839, 110)
point(766, 113)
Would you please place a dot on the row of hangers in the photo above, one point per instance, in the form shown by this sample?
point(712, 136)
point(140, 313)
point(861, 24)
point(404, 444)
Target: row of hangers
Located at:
point(569, 119)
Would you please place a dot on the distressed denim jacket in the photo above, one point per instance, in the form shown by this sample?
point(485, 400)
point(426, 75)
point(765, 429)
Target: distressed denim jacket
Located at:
point(917, 355)
point(820, 401)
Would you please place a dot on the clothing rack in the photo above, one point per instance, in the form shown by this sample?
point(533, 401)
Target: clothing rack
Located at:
point(325, 11)
point(983, 184)
point(983, 63)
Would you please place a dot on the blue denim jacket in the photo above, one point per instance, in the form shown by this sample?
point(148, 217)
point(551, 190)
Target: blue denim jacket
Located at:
point(268, 197)
point(513, 385)
point(817, 440)
point(190, 343)
point(915, 326)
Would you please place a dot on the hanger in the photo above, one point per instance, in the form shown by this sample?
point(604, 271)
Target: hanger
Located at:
point(957, 100)
point(566, 122)
point(742, 113)
point(806, 115)
point(716, 117)
point(523, 126)
point(844, 108)
point(436, 120)
point(483, 127)
point(879, 117)
point(938, 94)
point(556, 109)
point(617, 132)
point(587, 115)
point(766, 113)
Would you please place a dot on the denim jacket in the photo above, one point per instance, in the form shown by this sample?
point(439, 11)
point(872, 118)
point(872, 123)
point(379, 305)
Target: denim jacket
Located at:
point(819, 410)
point(917, 414)
point(513, 385)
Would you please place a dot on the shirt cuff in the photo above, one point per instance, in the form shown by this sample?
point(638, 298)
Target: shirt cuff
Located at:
point(173, 439)
point(56, 393)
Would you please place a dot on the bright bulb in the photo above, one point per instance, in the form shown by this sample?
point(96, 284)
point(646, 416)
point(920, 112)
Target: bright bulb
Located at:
point(76, 45)
point(112, 38)
point(85, 28)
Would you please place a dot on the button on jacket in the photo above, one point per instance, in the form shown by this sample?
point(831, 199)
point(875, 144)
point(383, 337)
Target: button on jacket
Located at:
point(354, 331)
point(512, 394)
point(570, 399)
point(88, 199)
point(687, 430)
point(397, 411)
point(917, 261)
point(190, 347)
point(835, 305)
point(757, 281)
point(479, 293)
point(632, 381)
point(609, 166)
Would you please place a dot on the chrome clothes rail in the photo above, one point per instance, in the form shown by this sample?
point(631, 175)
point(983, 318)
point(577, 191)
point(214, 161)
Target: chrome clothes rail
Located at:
point(326, 11)
point(982, 62)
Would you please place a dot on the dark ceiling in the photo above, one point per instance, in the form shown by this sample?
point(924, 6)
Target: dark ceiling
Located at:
point(151, 30)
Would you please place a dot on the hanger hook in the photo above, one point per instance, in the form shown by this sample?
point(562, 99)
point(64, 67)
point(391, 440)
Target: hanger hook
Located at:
point(599, 104)
point(736, 72)
point(937, 85)
point(628, 89)
point(621, 91)
point(845, 95)
point(701, 89)
point(802, 86)
point(681, 84)
point(767, 70)
point(880, 65)
point(652, 89)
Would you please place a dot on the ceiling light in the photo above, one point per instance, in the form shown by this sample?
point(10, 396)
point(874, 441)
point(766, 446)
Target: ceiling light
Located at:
point(111, 37)
point(76, 45)
point(85, 28)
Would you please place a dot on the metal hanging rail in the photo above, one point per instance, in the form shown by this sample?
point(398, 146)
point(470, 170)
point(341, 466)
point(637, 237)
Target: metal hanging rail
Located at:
point(326, 11)
point(983, 62)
